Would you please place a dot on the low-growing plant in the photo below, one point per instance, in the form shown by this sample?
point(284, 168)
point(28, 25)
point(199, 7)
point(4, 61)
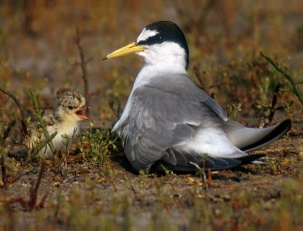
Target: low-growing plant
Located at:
point(99, 146)
point(295, 84)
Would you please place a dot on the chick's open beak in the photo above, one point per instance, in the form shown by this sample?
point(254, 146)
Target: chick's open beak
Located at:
point(128, 49)
point(80, 112)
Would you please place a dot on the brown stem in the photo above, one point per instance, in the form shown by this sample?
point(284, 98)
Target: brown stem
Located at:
point(83, 67)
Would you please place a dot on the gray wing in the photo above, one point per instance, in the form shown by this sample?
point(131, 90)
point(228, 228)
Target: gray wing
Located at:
point(160, 119)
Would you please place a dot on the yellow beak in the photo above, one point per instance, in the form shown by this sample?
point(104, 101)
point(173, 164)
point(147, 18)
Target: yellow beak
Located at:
point(129, 49)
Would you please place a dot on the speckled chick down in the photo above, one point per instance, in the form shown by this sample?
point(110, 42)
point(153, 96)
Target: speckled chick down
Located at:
point(64, 120)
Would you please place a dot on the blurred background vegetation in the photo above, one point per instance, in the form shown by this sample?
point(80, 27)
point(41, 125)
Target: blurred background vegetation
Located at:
point(38, 48)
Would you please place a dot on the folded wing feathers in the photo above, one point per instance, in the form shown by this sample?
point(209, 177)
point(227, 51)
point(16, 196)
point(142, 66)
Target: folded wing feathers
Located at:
point(251, 139)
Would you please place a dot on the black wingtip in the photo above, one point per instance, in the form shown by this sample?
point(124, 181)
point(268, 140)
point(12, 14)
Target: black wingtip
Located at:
point(279, 131)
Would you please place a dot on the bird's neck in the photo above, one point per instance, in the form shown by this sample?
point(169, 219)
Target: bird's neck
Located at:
point(150, 73)
point(66, 121)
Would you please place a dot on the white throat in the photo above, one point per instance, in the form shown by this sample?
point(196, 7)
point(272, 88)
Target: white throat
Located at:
point(164, 54)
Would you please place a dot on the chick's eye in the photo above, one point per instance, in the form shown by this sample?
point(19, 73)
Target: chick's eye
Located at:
point(70, 107)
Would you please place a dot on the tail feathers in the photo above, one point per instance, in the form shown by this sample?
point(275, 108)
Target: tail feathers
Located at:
point(251, 139)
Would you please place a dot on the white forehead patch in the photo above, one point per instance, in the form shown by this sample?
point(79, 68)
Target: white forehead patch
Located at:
point(145, 34)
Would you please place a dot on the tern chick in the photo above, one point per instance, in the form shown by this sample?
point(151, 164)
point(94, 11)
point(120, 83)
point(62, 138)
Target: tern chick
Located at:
point(64, 120)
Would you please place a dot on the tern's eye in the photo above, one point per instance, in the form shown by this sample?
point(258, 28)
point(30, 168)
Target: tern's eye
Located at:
point(70, 107)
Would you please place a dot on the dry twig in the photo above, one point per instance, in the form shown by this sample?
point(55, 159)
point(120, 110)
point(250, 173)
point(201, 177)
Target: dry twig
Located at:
point(199, 77)
point(83, 63)
point(16, 100)
point(201, 172)
point(33, 195)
